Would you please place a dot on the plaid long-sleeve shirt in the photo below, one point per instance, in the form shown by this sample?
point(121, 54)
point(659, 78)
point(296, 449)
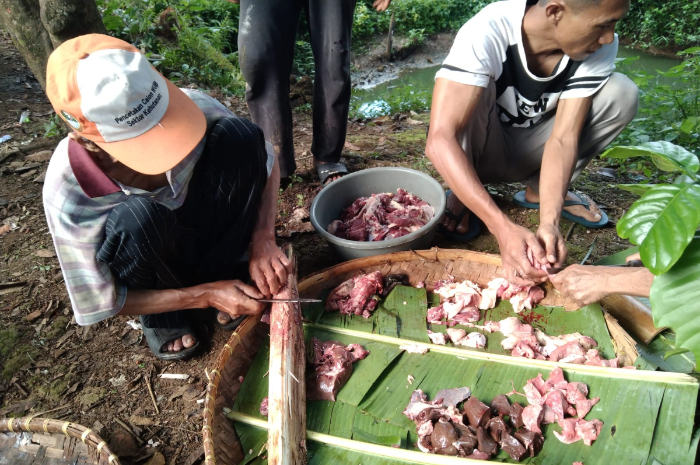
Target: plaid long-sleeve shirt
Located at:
point(78, 198)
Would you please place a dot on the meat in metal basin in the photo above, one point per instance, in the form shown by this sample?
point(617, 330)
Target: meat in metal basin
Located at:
point(340, 194)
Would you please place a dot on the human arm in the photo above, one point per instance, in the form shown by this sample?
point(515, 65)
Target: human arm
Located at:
point(558, 161)
point(268, 264)
point(381, 5)
point(453, 106)
point(587, 284)
point(232, 297)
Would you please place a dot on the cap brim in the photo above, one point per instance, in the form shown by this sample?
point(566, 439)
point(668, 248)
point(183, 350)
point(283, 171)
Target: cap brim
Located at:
point(165, 145)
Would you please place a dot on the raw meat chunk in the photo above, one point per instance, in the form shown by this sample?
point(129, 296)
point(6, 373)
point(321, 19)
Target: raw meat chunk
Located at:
point(437, 338)
point(356, 295)
point(331, 367)
point(532, 417)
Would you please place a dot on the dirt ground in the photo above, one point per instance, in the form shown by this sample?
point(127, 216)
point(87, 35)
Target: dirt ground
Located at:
point(99, 375)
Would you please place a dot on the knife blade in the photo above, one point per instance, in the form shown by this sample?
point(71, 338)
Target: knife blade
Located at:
point(630, 264)
point(276, 301)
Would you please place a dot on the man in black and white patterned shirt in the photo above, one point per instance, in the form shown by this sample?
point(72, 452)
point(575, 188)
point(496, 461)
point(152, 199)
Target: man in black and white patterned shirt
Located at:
point(528, 93)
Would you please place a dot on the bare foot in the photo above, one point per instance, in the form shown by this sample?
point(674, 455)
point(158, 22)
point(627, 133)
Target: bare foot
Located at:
point(455, 206)
point(185, 342)
point(223, 318)
point(592, 215)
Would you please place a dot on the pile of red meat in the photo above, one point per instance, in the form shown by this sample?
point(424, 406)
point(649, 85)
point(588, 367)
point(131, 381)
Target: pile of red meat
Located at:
point(327, 370)
point(524, 341)
point(382, 216)
point(561, 402)
point(474, 431)
point(461, 302)
point(357, 295)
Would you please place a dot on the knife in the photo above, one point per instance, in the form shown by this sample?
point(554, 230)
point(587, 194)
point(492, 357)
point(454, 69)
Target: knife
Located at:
point(630, 264)
point(276, 301)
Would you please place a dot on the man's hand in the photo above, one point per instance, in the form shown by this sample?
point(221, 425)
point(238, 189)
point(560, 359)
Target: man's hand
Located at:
point(233, 297)
point(268, 266)
point(381, 5)
point(584, 284)
point(552, 240)
point(516, 243)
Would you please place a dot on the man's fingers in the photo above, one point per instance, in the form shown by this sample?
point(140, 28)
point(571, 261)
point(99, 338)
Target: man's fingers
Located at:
point(271, 279)
point(285, 262)
point(515, 276)
point(250, 291)
point(562, 252)
point(551, 249)
point(537, 249)
point(260, 281)
point(280, 272)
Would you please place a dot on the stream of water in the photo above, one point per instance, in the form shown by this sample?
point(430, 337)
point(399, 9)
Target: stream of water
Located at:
point(372, 102)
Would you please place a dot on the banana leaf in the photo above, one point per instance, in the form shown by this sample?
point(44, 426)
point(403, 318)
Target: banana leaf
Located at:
point(402, 314)
point(648, 416)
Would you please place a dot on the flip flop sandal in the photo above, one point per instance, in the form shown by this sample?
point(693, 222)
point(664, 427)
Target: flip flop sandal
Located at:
point(519, 199)
point(327, 170)
point(158, 337)
point(231, 325)
point(475, 225)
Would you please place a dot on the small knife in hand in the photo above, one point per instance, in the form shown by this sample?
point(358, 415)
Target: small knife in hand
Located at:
point(275, 301)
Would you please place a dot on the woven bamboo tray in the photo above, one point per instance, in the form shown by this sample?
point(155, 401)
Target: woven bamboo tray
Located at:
point(41, 441)
point(221, 444)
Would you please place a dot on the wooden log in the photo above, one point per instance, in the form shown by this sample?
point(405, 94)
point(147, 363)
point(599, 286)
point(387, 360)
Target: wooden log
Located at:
point(633, 315)
point(287, 392)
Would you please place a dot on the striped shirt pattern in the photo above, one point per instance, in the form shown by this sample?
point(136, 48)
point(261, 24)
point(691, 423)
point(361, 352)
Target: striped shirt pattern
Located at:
point(77, 222)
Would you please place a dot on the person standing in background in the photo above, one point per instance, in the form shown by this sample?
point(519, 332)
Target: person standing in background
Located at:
point(266, 37)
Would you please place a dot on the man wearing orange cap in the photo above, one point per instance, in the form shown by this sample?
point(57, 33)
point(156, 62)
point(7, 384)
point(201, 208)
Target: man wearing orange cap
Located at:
point(155, 198)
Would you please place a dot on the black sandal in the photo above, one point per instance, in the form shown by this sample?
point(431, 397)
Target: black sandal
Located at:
point(327, 170)
point(231, 325)
point(158, 337)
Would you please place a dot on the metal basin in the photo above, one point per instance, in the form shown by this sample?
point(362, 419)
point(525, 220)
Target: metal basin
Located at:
point(340, 194)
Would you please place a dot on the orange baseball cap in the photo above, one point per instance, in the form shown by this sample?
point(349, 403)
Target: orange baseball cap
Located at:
point(109, 93)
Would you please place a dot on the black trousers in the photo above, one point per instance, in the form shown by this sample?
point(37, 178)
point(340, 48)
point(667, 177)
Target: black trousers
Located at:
point(148, 246)
point(266, 37)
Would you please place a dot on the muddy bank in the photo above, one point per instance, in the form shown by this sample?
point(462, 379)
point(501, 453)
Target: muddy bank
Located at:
point(370, 67)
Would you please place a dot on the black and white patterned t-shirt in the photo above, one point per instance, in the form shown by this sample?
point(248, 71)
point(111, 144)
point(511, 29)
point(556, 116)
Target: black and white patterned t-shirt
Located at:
point(489, 46)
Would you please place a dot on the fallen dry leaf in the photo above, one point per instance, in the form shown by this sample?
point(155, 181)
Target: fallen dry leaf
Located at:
point(140, 421)
point(415, 122)
point(45, 253)
point(181, 392)
point(44, 155)
point(351, 146)
point(41, 177)
point(4, 228)
point(33, 316)
point(157, 459)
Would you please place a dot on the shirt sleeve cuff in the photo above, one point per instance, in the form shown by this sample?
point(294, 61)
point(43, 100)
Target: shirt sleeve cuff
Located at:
point(583, 92)
point(464, 77)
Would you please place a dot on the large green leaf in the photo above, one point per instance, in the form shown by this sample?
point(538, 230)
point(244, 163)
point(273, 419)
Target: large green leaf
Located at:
point(662, 223)
point(636, 189)
point(647, 416)
point(675, 299)
point(665, 155)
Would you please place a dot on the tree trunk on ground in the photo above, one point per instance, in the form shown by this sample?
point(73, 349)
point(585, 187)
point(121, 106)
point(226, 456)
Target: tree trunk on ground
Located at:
point(38, 26)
